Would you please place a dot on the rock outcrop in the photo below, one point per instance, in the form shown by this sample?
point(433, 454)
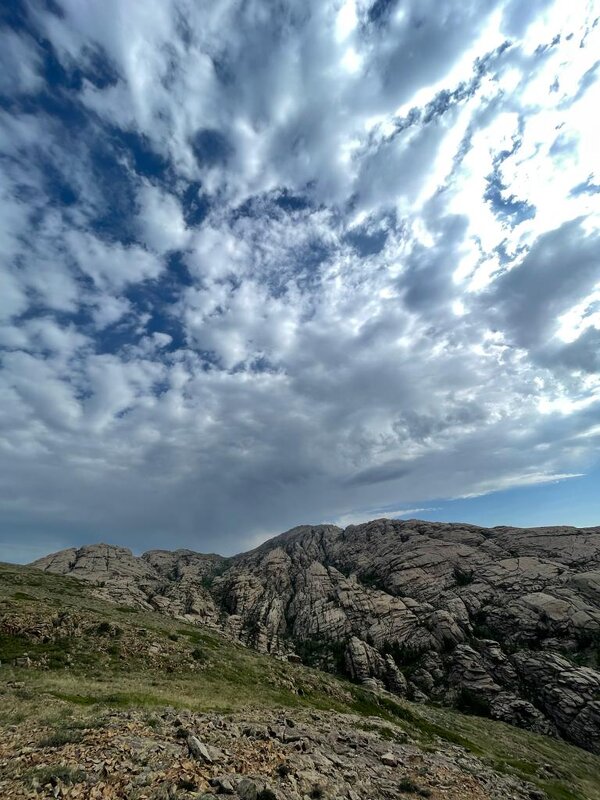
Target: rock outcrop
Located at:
point(503, 621)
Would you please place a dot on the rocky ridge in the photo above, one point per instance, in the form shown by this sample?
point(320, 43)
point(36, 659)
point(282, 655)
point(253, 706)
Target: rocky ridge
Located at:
point(504, 622)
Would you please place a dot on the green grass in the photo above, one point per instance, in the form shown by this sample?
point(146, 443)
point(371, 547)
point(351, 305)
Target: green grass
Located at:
point(22, 596)
point(60, 738)
point(56, 653)
point(72, 694)
point(45, 775)
point(392, 734)
point(525, 755)
point(393, 711)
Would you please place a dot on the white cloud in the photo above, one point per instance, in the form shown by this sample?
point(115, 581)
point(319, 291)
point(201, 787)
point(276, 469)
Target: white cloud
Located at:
point(19, 64)
point(161, 220)
point(110, 264)
point(515, 481)
point(109, 309)
point(13, 300)
point(365, 515)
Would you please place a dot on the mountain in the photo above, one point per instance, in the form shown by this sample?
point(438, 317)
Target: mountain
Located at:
point(502, 622)
point(101, 701)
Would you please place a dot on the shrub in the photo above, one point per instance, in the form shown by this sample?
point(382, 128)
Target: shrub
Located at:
point(61, 738)
point(54, 774)
point(410, 787)
point(197, 654)
point(371, 580)
point(104, 627)
point(463, 577)
point(472, 703)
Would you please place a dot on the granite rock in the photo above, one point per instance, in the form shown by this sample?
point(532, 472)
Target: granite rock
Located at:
point(504, 621)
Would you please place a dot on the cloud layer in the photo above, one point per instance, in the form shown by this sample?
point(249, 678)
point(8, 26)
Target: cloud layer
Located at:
point(270, 265)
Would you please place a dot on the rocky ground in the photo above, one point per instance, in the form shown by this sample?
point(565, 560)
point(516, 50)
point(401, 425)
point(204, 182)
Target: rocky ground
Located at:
point(251, 756)
point(99, 700)
point(503, 622)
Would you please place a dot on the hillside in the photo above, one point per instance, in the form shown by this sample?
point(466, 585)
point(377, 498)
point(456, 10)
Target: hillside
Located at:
point(502, 622)
point(103, 700)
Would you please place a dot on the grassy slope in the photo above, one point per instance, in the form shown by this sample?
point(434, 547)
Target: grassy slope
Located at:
point(122, 658)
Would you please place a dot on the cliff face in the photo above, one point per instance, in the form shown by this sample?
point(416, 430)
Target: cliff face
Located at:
point(504, 621)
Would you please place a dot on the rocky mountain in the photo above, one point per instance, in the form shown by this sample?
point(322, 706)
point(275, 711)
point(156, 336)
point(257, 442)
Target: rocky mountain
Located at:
point(503, 622)
point(111, 702)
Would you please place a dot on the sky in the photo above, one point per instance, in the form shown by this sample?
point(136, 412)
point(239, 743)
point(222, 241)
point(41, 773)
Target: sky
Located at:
point(272, 263)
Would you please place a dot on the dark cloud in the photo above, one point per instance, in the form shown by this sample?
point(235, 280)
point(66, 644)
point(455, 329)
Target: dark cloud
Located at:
point(385, 472)
point(526, 302)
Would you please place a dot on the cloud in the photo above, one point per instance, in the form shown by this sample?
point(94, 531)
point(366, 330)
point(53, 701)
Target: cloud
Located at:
point(262, 268)
point(366, 515)
point(20, 64)
point(560, 270)
point(160, 220)
point(13, 297)
point(111, 265)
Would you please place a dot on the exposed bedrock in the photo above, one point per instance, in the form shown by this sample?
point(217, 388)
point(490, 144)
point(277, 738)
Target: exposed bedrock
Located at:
point(503, 622)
